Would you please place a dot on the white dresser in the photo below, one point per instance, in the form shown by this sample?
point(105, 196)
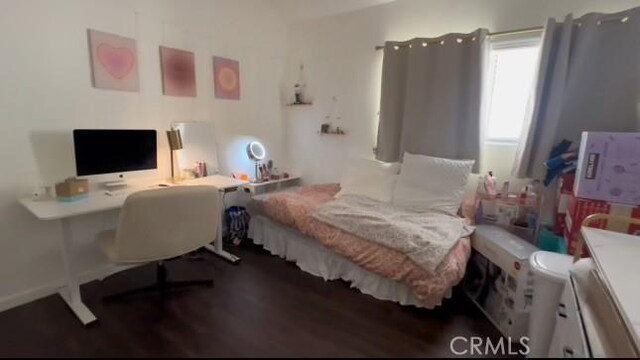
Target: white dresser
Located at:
point(599, 312)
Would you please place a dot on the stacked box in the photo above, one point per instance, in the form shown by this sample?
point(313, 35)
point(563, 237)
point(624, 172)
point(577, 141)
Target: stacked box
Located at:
point(608, 167)
point(499, 279)
point(565, 191)
point(580, 208)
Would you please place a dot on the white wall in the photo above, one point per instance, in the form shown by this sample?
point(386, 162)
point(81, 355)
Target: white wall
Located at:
point(339, 61)
point(45, 92)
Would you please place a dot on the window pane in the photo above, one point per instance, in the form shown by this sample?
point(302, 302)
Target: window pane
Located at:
point(512, 74)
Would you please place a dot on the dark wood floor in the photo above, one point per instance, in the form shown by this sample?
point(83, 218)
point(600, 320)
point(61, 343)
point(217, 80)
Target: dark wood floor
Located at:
point(264, 307)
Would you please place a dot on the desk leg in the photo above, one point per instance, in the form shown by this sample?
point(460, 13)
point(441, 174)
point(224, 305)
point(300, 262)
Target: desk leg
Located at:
point(216, 248)
point(71, 292)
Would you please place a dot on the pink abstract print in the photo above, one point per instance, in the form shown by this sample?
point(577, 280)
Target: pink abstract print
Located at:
point(117, 61)
point(226, 77)
point(114, 62)
point(178, 72)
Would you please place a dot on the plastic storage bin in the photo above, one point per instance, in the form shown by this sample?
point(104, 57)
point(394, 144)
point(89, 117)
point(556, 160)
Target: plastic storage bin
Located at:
point(499, 280)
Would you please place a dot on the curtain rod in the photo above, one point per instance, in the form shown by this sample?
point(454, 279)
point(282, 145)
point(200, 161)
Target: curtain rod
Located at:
point(498, 33)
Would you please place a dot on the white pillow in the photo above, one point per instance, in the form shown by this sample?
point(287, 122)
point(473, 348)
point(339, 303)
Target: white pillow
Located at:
point(370, 178)
point(428, 183)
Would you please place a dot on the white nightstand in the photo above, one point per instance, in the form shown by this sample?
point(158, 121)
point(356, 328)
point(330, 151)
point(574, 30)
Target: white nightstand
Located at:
point(271, 185)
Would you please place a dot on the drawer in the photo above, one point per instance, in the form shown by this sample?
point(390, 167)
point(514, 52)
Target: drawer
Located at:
point(568, 340)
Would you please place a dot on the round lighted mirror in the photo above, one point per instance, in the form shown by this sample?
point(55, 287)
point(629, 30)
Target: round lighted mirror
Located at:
point(256, 151)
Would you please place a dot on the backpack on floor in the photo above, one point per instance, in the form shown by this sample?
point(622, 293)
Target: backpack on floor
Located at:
point(237, 220)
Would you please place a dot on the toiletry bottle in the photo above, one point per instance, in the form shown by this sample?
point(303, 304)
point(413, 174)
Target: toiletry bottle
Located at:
point(505, 190)
point(490, 184)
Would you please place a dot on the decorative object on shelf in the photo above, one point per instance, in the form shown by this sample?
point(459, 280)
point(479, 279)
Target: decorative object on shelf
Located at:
point(298, 93)
point(114, 61)
point(226, 76)
point(178, 72)
point(175, 144)
point(298, 90)
point(325, 129)
point(256, 152)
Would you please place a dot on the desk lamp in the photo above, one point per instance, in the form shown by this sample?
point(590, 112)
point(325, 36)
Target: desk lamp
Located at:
point(256, 152)
point(175, 143)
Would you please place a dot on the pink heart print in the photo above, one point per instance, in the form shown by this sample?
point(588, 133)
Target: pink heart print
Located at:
point(117, 61)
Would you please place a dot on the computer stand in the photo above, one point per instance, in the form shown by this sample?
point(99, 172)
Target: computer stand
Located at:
point(115, 185)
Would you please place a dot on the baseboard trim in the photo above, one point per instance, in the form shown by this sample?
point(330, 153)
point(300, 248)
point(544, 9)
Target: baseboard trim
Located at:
point(33, 294)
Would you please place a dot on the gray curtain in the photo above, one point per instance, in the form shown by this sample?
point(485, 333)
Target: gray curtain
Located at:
point(430, 101)
point(588, 80)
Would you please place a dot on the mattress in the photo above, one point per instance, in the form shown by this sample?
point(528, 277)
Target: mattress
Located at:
point(313, 258)
point(293, 209)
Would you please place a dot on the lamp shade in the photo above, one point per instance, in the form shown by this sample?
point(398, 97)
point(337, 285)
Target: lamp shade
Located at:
point(175, 139)
point(256, 151)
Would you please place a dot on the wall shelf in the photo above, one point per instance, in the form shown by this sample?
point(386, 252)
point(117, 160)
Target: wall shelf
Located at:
point(331, 133)
point(299, 104)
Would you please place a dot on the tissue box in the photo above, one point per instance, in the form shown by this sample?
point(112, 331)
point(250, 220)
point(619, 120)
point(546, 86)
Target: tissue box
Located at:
point(609, 167)
point(72, 190)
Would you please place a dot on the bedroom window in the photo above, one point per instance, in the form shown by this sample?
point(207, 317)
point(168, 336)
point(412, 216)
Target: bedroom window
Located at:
point(512, 67)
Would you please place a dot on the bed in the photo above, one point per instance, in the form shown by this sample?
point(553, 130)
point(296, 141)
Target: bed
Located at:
point(283, 224)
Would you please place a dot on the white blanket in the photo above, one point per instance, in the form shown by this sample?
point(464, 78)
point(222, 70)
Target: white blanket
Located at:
point(425, 238)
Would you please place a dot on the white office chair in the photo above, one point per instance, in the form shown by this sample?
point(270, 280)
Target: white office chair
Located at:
point(161, 224)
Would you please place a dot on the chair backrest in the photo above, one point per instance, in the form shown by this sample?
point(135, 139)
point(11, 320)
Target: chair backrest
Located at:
point(164, 223)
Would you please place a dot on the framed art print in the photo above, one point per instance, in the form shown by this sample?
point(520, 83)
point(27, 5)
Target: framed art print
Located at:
point(226, 77)
point(114, 61)
point(178, 72)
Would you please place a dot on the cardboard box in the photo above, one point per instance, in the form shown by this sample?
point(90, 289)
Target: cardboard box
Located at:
point(72, 189)
point(499, 280)
point(580, 208)
point(608, 167)
point(563, 197)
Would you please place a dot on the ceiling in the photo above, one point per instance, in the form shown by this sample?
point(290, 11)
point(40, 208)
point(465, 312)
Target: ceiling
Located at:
point(296, 10)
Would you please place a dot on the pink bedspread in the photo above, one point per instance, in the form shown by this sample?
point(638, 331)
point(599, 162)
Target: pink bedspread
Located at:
point(293, 209)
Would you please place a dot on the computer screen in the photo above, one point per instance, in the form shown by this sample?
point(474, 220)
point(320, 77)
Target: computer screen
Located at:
point(114, 151)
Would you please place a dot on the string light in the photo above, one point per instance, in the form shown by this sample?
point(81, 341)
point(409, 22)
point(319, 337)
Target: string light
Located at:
point(459, 40)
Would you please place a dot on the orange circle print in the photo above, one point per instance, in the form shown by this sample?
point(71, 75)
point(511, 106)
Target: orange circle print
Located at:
point(228, 79)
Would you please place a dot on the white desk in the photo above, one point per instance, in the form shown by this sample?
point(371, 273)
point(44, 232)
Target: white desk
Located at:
point(616, 258)
point(261, 187)
point(99, 201)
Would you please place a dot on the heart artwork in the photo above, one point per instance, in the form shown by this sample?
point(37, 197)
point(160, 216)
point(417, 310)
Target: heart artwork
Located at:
point(116, 61)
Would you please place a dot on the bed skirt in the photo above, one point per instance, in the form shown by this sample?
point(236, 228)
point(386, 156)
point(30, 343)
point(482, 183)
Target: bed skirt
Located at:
point(313, 258)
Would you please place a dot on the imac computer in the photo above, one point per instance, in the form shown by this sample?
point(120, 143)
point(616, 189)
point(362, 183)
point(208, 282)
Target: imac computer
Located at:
point(112, 156)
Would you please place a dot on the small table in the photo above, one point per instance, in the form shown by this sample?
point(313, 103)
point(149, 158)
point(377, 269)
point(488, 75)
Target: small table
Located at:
point(98, 201)
point(265, 186)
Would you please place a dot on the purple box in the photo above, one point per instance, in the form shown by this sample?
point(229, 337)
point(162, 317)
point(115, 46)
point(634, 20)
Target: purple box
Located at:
point(609, 167)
